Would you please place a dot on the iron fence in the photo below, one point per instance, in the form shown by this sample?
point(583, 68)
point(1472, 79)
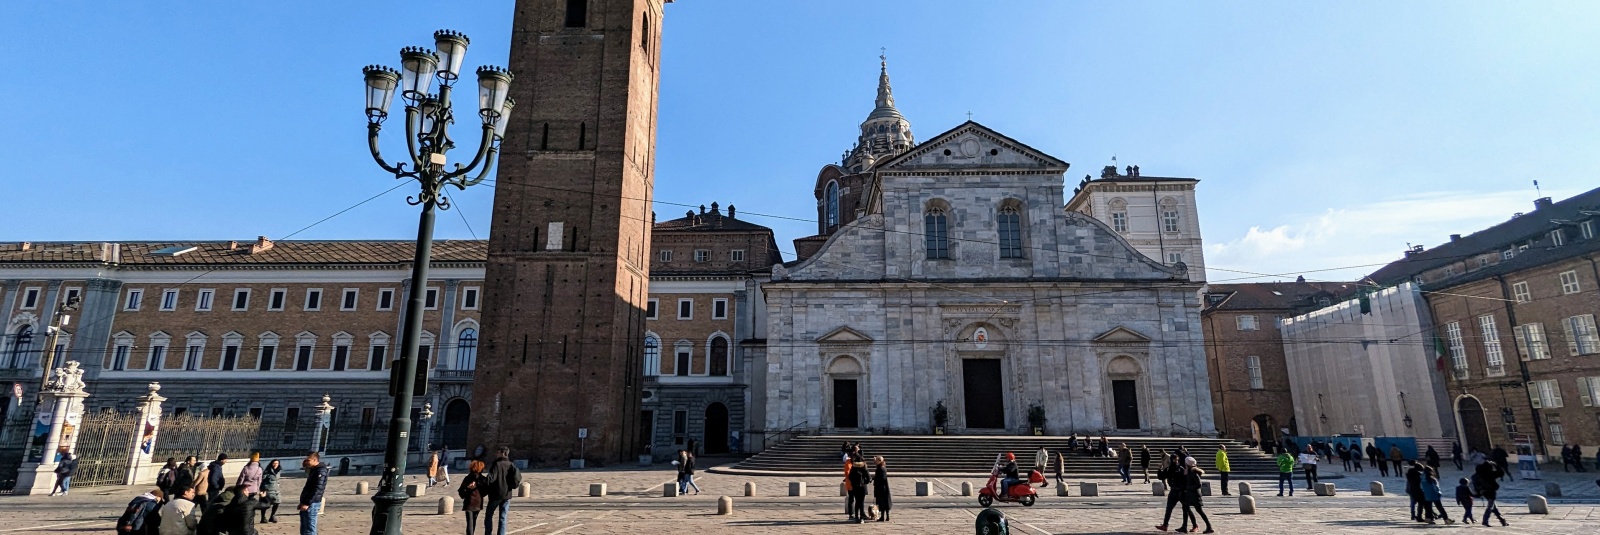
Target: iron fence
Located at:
point(13, 443)
point(105, 440)
point(204, 438)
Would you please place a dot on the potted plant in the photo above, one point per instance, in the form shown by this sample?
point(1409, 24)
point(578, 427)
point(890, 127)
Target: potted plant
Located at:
point(1036, 419)
point(940, 416)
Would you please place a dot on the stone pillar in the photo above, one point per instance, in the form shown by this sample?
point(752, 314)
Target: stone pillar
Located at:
point(139, 461)
point(54, 430)
point(319, 436)
point(425, 417)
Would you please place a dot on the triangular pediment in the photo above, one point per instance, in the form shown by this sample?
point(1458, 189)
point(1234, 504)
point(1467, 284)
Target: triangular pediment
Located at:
point(1122, 335)
point(844, 335)
point(972, 145)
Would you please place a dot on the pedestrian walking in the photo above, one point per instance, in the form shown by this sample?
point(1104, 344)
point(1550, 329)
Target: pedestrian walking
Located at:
point(1193, 511)
point(250, 475)
point(215, 482)
point(1041, 462)
point(269, 485)
point(1308, 462)
point(1577, 457)
point(1414, 490)
point(1171, 474)
point(1285, 471)
point(433, 466)
point(188, 477)
point(1344, 456)
point(1502, 458)
point(1566, 458)
point(64, 471)
point(1061, 468)
point(1396, 459)
point(311, 493)
point(1144, 461)
point(444, 464)
point(1125, 464)
point(1223, 467)
point(167, 476)
point(143, 516)
point(471, 492)
point(1474, 459)
point(1432, 497)
point(180, 516)
point(1355, 457)
point(502, 477)
point(688, 474)
point(859, 480)
point(1432, 458)
point(1455, 454)
point(1486, 481)
point(1375, 457)
point(880, 489)
point(1464, 499)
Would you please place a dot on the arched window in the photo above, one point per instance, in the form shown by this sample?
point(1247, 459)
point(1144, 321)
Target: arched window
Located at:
point(831, 205)
point(1119, 215)
point(21, 344)
point(652, 355)
point(1010, 220)
point(719, 357)
point(467, 349)
point(935, 228)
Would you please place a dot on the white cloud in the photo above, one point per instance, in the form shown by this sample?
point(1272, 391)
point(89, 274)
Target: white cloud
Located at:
point(1346, 242)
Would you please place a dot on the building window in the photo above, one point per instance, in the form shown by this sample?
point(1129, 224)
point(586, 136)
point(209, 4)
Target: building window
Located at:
point(736, 255)
point(430, 299)
point(1581, 336)
point(1458, 348)
point(1493, 355)
point(467, 349)
point(1483, 262)
point(1010, 232)
point(21, 345)
point(277, 299)
point(119, 358)
point(302, 353)
point(719, 309)
point(652, 309)
point(376, 355)
point(30, 299)
point(267, 354)
point(1569, 282)
point(935, 228)
point(1254, 364)
point(1586, 228)
point(134, 298)
point(202, 302)
point(1544, 394)
point(314, 299)
point(1520, 292)
point(241, 299)
point(1119, 221)
point(1247, 323)
point(291, 424)
point(1175, 258)
point(1558, 238)
point(158, 357)
point(831, 206)
point(348, 301)
point(230, 356)
point(341, 356)
point(686, 309)
point(1531, 342)
point(469, 298)
point(719, 357)
point(577, 13)
point(1508, 254)
point(1589, 391)
point(680, 426)
point(665, 255)
point(169, 300)
point(652, 355)
point(1557, 434)
point(702, 255)
point(1169, 219)
point(191, 358)
point(680, 365)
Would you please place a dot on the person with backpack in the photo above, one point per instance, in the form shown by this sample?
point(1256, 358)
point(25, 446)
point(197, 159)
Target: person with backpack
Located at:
point(1486, 483)
point(1433, 496)
point(64, 471)
point(471, 493)
point(503, 478)
point(142, 517)
point(1193, 511)
point(167, 476)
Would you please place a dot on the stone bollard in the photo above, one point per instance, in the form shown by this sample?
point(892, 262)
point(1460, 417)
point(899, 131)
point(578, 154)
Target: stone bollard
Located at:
point(1244, 488)
point(966, 488)
point(797, 488)
point(362, 488)
point(1088, 489)
point(1061, 490)
point(844, 489)
point(1205, 488)
point(669, 490)
point(1247, 504)
point(1325, 489)
point(724, 505)
point(1537, 505)
point(447, 506)
point(924, 488)
point(1552, 489)
point(749, 488)
point(1158, 488)
point(416, 490)
point(597, 490)
point(524, 490)
point(1377, 488)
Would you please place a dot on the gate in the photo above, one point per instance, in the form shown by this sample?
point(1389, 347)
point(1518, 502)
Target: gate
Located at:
point(204, 438)
point(104, 442)
point(13, 440)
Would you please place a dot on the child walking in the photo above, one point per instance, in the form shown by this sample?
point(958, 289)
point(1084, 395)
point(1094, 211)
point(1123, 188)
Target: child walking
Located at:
point(1464, 497)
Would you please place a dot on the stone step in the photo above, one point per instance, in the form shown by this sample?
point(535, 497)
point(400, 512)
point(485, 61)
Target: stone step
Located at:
point(976, 454)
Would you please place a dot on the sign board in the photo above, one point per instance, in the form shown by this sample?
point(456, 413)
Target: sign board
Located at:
point(583, 432)
point(1527, 463)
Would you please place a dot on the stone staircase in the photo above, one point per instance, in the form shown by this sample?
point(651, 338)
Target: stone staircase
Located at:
point(974, 455)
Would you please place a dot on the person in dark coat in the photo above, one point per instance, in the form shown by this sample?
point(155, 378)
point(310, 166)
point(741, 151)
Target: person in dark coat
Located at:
point(471, 492)
point(186, 476)
point(167, 476)
point(64, 471)
point(1455, 453)
point(1144, 461)
point(213, 518)
point(859, 481)
point(215, 480)
point(1432, 458)
point(1375, 456)
point(1414, 490)
point(1486, 480)
point(239, 516)
point(1193, 511)
point(311, 495)
point(141, 516)
point(1502, 458)
point(880, 489)
point(1344, 456)
point(503, 478)
point(1173, 476)
point(270, 477)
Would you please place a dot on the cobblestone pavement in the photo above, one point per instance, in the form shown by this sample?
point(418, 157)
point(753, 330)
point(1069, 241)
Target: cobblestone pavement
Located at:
point(635, 505)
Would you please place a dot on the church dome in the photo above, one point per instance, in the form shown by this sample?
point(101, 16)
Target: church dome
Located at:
point(885, 133)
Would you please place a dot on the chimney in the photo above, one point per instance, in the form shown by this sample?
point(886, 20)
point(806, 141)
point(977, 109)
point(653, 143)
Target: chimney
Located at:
point(702, 208)
point(27, 246)
point(262, 244)
point(730, 211)
point(714, 208)
point(1455, 237)
point(1542, 203)
point(233, 245)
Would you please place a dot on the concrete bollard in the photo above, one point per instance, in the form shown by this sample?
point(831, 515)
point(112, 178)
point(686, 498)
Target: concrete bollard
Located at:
point(669, 490)
point(724, 505)
point(1088, 489)
point(844, 489)
point(966, 488)
point(362, 488)
point(749, 488)
point(416, 490)
point(1325, 489)
point(524, 490)
point(1205, 488)
point(924, 488)
point(447, 506)
point(597, 490)
point(1247, 504)
point(1552, 489)
point(1158, 489)
point(1537, 505)
point(797, 488)
point(1377, 488)
point(1244, 488)
point(1061, 490)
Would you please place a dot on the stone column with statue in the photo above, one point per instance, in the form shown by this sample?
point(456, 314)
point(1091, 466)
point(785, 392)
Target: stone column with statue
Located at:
point(141, 467)
point(55, 429)
point(319, 438)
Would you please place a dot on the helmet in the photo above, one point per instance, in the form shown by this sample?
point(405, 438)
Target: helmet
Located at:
point(1011, 456)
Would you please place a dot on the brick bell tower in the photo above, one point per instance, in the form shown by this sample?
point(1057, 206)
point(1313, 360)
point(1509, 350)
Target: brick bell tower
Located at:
point(566, 279)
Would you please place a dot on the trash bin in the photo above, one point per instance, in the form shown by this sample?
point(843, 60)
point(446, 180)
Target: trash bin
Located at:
point(344, 466)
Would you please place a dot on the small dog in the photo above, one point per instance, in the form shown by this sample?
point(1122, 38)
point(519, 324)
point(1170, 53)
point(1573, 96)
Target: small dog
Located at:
point(872, 512)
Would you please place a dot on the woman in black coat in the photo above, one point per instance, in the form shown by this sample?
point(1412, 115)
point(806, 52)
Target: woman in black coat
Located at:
point(1191, 496)
point(859, 480)
point(880, 489)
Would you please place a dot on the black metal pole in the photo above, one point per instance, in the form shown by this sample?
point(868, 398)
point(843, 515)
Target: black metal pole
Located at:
point(389, 503)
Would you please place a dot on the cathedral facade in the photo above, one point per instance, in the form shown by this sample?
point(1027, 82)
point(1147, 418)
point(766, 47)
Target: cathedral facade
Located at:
point(948, 273)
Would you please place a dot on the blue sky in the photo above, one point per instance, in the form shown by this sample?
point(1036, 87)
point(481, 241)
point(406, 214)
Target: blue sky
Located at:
point(1324, 135)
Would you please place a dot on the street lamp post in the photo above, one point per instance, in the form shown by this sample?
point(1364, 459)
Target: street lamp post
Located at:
point(47, 362)
point(427, 120)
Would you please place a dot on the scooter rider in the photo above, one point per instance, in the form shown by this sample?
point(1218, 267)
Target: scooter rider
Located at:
point(1010, 473)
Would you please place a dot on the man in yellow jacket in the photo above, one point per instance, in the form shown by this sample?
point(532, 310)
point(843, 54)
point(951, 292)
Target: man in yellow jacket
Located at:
point(1222, 467)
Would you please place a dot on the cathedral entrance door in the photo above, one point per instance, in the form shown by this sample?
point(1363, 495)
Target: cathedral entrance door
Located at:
point(844, 404)
point(983, 394)
point(1125, 398)
point(716, 429)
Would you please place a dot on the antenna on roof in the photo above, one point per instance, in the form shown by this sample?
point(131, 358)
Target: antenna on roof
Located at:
point(1537, 190)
